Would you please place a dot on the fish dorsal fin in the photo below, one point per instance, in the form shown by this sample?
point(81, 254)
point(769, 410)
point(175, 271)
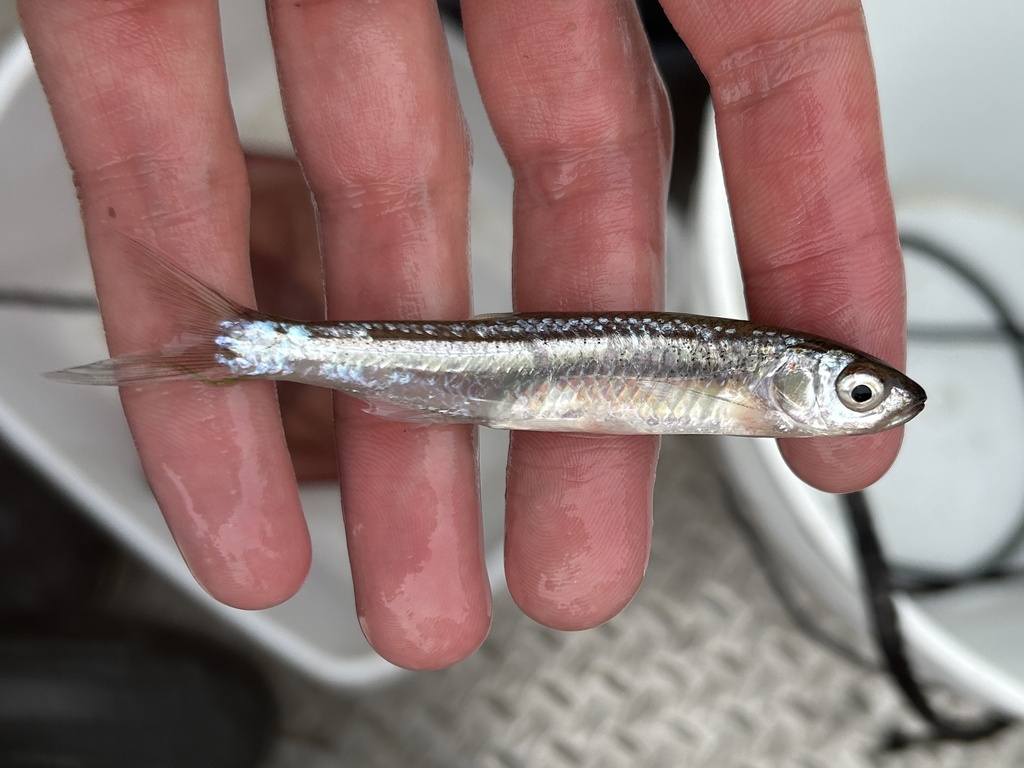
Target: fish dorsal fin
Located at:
point(195, 310)
point(196, 306)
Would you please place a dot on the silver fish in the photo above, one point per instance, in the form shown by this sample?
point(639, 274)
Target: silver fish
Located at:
point(601, 373)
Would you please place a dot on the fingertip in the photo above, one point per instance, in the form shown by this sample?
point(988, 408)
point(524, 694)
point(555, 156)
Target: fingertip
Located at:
point(842, 464)
point(414, 537)
point(261, 579)
point(424, 643)
point(574, 605)
point(578, 525)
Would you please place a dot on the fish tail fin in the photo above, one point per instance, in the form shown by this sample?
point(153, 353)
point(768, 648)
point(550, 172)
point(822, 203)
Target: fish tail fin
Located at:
point(187, 364)
point(198, 311)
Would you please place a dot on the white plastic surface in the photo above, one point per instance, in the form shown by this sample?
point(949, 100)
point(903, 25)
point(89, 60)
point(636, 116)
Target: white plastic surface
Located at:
point(953, 116)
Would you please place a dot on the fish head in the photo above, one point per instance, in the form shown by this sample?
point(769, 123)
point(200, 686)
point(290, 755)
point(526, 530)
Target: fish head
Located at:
point(822, 390)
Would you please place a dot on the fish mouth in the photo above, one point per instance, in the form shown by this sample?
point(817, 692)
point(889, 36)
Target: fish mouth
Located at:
point(915, 409)
point(917, 397)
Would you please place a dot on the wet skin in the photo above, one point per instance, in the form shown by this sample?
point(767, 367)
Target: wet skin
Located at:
point(138, 94)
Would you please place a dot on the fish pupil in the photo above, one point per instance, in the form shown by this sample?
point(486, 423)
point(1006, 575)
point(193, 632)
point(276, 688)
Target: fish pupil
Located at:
point(861, 393)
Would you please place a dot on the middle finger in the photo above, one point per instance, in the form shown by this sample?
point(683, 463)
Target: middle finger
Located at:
point(578, 106)
point(375, 119)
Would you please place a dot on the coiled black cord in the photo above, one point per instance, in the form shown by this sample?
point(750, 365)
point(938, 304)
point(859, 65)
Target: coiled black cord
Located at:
point(992, 565)
point(885, 623)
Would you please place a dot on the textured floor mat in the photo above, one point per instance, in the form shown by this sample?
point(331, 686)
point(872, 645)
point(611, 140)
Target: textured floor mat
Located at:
point(703, 669)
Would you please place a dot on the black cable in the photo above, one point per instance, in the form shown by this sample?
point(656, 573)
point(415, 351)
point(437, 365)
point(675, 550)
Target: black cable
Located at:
point(990, 566)
point(889, 637)
point(884, 621)
point(28, 297)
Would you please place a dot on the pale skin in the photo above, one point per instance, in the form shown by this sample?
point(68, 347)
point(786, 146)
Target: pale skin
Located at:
point(138, 93)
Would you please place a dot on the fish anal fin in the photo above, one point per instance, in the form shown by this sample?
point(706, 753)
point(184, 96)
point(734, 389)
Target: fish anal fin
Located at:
point(412, 415)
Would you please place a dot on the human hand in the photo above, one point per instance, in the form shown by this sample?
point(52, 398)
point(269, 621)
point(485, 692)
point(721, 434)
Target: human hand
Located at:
point(138, 93)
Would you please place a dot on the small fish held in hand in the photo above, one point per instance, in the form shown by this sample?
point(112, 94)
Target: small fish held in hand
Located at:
point(600, 373)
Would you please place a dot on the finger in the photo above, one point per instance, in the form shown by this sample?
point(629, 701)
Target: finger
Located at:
point(139, 96)
point(375, 119)
point(797, 116)
point(578, 107)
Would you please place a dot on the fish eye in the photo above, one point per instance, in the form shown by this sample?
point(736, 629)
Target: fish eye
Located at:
point(861, 390)
point(861, 393)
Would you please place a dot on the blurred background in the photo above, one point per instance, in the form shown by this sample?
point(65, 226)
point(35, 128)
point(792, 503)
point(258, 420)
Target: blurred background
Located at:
point(111, 656)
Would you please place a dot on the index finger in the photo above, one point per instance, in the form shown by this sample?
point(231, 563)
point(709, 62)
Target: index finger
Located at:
point(801, 142)
point(139, 95)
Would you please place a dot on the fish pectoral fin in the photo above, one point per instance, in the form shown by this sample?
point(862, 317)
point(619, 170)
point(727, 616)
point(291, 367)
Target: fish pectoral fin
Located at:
point(669, 391)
